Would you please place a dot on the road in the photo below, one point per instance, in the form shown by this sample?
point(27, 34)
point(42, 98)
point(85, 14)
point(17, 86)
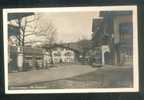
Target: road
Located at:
point(73, 76)
point(59, 72)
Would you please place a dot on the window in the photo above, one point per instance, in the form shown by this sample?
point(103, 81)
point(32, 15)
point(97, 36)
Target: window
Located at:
point(28, 61)
point(57, 54)
point(38, 58)
point(28, 58)
point(68, 54)
point(125, 30)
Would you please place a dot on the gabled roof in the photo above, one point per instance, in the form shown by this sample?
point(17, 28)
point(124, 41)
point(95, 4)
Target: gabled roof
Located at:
point(75, 46)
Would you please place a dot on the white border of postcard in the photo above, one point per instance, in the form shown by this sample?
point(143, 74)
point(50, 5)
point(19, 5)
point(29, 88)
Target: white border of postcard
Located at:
point(73, 9)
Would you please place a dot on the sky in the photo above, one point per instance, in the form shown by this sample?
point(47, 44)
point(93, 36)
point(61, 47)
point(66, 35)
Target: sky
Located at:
point(71, 26)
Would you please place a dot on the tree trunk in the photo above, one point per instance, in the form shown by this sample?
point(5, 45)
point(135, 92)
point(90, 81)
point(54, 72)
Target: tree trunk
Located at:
point(51, 62)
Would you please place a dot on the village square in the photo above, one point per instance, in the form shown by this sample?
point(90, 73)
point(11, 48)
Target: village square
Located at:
point(70, 50)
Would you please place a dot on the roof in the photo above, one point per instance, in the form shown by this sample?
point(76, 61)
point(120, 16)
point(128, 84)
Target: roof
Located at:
point(75, 46)
point(12, 29)
point(12, 16)
point(28, 50)
point(115, 13)
point(67, 46)
point(31, 50)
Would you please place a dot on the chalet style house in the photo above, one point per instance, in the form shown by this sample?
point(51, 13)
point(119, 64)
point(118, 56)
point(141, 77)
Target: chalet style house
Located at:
point(38, 58)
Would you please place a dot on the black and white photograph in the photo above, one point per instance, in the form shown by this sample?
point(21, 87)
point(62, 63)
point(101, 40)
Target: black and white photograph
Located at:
point(71, 49)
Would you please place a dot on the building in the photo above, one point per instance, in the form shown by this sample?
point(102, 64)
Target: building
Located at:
point(98, 31)
point(59, 54)
point(116, 32)
point(39, 58)
point(100, 51)
point(33, 58)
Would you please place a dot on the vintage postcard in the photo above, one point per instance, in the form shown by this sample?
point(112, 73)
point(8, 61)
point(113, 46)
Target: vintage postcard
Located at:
point(71, 49)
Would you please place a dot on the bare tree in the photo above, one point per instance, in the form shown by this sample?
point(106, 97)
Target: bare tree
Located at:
point(50, 39)
point(31, 26)
point(22, 24)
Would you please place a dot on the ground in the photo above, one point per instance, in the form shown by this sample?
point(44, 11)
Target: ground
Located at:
point(73, 76)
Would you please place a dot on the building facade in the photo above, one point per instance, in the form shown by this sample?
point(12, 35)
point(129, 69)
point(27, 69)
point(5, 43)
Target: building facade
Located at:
point(38, 58)
point(59, 54)
point(116, 31)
